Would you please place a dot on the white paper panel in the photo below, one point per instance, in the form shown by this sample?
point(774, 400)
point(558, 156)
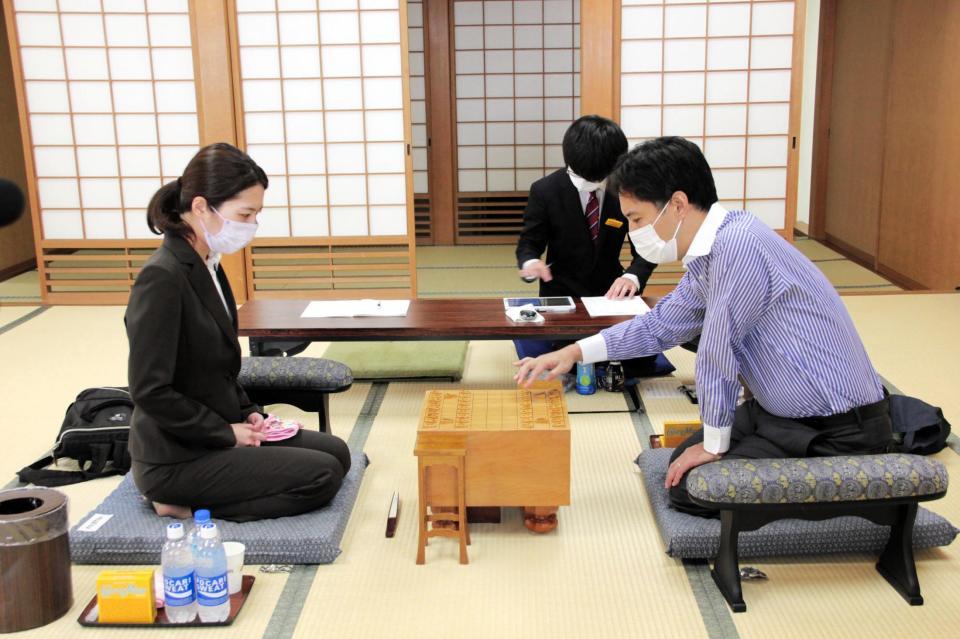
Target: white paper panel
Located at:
point(304, 126)
point(381, 60)
point(771, 53)
point(421, 183)
point(103, 224)
point(124, 6)
point(126, 30)
point(97, 161)
point(471, 181)
point(137, 228)
point(170, 30)
point(501, 132)
point(499, 157)
point(272, 158)
point(34, 29)
point(256, 29)
point(55, 161)
point(528, 37)
point(263, 127)
point(58, 193)
point(383, 93)
point(683, 88)
point(729, 19)
point(501, 180)
point(528, 85)
point(770, 86)
point(309, 221)
point(174, 159)
point(133, 97)
point(388, 220)
point(300, 28)
point(727, 86)
point(303, 159)
point(274, 222)
point(526, 177)
point(640, 121)
point(178, 129)
point(471, 134)
point(772, 18)
point(764, 183)
point(684, 55)
point(729, 183)
point(51, 129)
point(344, 126)
point(524, 62)
point(641, 56)
point(176, 97)
point(498, 86)
point(728, 53)
point(339, 28)
point(346, 158)
point(137, 191)
point(685, 121)
point(726, 120)
point(771, 212)
point(380, 26)
point(387, 189)
point(347, 190)
point(129, 64)
point(339, 94)
point(139, 160)
point(87, 64)
point(348, 220)
point(769, 118)
point(725, 152)
point(527, 132)
point(308, 190)
point(61, 225)
point(276, 195)
point(172, 64)
point(641, 22)
point(384, 126)
point(302, 95)
point(304, 62)
point(685, 22)
point(47, 97)
point(471, 157)
point(42, 64)
point(385, 158)
point(136, 129)
point(94, 129)
point(767, 151)
point(260, 62)
point(100, 193)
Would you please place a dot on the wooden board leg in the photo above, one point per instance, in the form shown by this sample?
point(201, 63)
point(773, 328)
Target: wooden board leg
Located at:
point(540, 519)
point(422, 515)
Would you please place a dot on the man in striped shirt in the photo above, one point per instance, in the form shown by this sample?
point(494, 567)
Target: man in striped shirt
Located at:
point(764, 314)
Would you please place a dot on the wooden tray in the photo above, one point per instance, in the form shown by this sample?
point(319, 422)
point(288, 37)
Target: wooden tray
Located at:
point(89, 617)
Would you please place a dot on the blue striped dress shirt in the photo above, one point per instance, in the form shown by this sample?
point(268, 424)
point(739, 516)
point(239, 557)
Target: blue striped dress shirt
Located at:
point(763, 311)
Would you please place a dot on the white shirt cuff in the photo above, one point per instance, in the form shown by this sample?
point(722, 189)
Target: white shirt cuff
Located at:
point(716, 440)
point(529, 262)
point(594, 349)
point(633, 278)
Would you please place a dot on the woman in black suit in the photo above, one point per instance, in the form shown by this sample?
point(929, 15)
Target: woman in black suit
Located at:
point(196, 440)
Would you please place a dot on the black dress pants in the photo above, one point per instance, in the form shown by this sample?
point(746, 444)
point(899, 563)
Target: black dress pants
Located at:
point(758, 434)
point(277, 479)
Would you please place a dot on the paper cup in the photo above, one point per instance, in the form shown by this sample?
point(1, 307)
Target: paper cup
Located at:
point(234, 551)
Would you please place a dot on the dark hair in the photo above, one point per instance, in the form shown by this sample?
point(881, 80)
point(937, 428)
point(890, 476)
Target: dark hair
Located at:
point(592, 145)
point(656, 169)
point(217, 173)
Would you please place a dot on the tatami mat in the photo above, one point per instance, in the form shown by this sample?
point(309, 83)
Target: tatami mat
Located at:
point(23, 288)
point(592, 577)
point(10, 314)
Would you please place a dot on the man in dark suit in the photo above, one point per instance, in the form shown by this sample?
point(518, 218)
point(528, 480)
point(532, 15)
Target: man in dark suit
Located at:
point(570, 215)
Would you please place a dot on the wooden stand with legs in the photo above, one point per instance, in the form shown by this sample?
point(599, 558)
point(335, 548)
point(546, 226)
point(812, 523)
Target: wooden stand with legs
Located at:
point(436, 451)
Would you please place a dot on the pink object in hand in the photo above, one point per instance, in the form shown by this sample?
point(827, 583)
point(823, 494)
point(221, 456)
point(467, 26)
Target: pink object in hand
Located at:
point(276, 429)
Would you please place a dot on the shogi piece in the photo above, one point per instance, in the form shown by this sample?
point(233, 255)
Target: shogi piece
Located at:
point(517, 448)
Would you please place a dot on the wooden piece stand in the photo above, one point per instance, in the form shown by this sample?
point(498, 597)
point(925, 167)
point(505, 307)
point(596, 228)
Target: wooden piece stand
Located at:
point(515, 452)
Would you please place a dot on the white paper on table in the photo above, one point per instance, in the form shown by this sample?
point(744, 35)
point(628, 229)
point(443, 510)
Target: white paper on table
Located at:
point(356, 308)
point(602, 307)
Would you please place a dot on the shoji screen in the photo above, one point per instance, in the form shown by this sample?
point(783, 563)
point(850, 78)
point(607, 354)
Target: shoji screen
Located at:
point(517, 87)
point(718, 73)
point(418, 116)
point(323, 102)
point(109, 113)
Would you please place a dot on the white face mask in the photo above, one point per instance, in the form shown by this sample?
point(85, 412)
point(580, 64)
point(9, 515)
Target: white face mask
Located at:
point(651, 246)
point(232, 235)
point(583, 185)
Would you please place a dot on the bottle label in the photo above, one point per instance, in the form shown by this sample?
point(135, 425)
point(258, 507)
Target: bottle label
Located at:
point(212, 591)
point(178, 591)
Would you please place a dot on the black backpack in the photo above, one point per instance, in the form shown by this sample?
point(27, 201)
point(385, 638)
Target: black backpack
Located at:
point(95, 433)
point(920, 429)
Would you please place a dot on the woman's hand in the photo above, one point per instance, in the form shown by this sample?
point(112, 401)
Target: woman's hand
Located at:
point(256, 420)
point(247, 435)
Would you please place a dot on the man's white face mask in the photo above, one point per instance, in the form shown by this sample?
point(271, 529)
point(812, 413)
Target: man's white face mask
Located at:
point(583, 185)
point(651, 246)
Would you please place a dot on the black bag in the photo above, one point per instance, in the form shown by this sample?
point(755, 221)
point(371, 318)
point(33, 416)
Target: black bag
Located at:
point(95, 433)
point(920, 427)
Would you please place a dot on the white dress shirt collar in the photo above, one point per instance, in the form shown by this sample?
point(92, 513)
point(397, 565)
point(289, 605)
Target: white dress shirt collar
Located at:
point(703, 241)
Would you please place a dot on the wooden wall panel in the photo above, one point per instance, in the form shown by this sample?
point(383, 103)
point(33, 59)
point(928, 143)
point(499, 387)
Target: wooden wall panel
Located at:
point(440, 78)
point(17, 251)
point(858, 110)
point(599, 58)
point(919, 234)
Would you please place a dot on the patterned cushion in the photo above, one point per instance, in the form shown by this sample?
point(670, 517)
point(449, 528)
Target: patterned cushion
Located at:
point(690, 537)
point(295, 373)
point(133, 533)
point(817, 479)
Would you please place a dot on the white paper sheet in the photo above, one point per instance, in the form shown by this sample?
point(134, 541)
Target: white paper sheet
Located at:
point(356, 308)
point(602, 307)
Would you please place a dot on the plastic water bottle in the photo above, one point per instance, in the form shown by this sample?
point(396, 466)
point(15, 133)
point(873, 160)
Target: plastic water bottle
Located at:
point(200, 518)
point(210, 562)
point(179, 596)
point(586, 379)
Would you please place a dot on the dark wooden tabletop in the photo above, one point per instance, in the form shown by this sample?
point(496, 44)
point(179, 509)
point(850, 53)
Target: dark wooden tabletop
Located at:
point(427, 319)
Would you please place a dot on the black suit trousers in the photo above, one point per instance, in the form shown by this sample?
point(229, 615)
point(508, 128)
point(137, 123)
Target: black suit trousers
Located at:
point(758, 434)
point(277, 479)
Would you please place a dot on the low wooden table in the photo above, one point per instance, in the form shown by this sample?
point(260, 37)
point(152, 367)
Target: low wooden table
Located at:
point(517, 450)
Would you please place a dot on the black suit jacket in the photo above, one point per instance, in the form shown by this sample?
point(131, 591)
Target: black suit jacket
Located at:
point(554, 220)
point(184, 359)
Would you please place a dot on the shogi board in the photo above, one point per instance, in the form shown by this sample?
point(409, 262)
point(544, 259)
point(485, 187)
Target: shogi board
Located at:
point(517, 443)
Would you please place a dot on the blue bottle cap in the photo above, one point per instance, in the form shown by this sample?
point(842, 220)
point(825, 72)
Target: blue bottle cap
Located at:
point(201, 515)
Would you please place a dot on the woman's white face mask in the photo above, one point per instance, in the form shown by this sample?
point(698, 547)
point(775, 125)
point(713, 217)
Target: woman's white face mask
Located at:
point(231, 237)
point(651, 246)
